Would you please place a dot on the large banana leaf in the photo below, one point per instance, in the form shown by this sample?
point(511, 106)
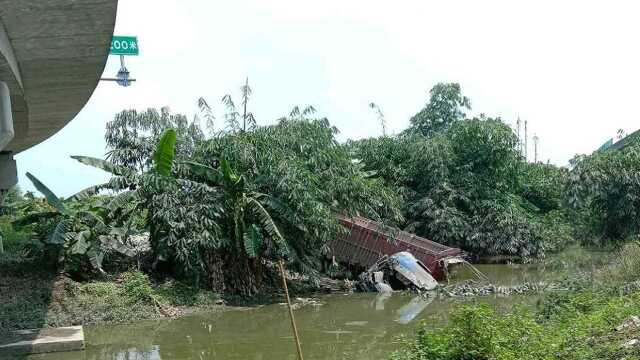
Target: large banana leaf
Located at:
point(59, 234)
point(268, 225)
point(103, 165)
point(227, 172)
point(48, 194)
point(86, 193)
point(252, 241)
point(165, 152)
point(96, 256)
point(81, 244)
point(124, 199)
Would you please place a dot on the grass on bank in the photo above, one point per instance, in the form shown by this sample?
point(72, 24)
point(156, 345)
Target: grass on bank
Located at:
point(577, 325)
point(33, 298)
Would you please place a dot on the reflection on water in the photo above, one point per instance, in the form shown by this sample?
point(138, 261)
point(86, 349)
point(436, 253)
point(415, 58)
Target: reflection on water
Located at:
point(412, 309)
point(512, 274)
point(357, 326)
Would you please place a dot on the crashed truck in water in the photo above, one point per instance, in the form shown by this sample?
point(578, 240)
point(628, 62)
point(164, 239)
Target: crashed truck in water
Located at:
point(396, 258)
point(397, 272)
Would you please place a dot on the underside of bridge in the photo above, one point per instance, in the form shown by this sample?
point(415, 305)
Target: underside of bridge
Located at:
point(52, 54)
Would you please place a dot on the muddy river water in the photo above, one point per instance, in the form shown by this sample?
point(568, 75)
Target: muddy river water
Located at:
point(354, 326)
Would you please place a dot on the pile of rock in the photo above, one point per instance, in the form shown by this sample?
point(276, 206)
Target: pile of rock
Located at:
point(472, 288)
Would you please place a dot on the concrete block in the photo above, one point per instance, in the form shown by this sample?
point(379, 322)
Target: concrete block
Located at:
point(34, 341)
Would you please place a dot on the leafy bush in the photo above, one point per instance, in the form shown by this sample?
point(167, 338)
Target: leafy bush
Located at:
point(464, 182)
point(467, 186)
point(543, 185)
point(270, 191)
point(476, 333)
point(137, 287)
point(179, 293)
point(605, 189)
point(12, 239)
point(569, 326)
point(626, 264)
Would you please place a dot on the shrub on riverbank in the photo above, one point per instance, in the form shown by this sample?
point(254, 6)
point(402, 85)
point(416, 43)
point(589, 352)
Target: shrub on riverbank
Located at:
point(604, 189)
point(32, 298)
point(468, 186)
point(566, 325)
point(583, 328)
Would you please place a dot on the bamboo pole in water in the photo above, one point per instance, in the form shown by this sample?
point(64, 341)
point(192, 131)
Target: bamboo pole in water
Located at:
point(293, 321)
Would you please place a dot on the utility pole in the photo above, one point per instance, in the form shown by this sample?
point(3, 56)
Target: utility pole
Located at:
point(519, 138)
point(535, 148)
point(526, 142)
point(245, 99)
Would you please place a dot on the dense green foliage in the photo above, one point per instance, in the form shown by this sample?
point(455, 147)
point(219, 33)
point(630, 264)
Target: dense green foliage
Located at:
point(309, 178)
point(240, 197)
point(223, 205)
point(445, 106)
point(468, 186)
point(582, 328)
point(185, 210)
point(604, 189)
point(566, 325)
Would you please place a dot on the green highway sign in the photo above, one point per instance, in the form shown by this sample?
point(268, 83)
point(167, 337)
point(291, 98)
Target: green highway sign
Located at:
point(124, 45)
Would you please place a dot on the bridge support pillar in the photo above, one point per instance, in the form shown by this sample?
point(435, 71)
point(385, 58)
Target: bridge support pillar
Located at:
point(8, 173)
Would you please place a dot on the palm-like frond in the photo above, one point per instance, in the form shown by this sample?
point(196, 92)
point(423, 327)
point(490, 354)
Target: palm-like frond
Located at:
point(252, 241)
point(103, 165)
point(207, 111)
point(59, 234)
point(268, 225)
point(123, 200)
point(86, 193)
point(52, 198)
point(308, 110)
point(165, 152)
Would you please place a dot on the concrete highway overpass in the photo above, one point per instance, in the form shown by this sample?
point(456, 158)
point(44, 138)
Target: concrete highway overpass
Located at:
point(52, 54)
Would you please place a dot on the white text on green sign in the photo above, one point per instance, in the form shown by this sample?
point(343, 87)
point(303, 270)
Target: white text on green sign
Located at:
point(124, 45)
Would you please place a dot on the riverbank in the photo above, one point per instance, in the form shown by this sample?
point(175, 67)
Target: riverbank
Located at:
point(34, 295)
point(598, 319)
point(34, 298)
point(583, 325)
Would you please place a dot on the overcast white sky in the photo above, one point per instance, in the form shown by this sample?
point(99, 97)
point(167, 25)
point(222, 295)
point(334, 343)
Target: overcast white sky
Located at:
point(568, 67)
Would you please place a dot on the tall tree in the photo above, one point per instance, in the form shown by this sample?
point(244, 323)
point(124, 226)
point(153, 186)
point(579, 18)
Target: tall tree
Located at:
point(446, 106)
point(248, 120)
point(132, 136)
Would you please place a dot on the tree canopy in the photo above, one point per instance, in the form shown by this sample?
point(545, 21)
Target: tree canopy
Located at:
point(446, 106)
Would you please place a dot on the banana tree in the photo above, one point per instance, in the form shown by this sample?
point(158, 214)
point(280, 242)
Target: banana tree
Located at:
point(200, 215)
point(77, 228)
point(248, 228)
point(84, 227)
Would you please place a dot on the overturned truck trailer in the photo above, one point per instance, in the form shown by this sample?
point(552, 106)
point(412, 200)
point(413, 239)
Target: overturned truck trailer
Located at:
point(367, 241)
